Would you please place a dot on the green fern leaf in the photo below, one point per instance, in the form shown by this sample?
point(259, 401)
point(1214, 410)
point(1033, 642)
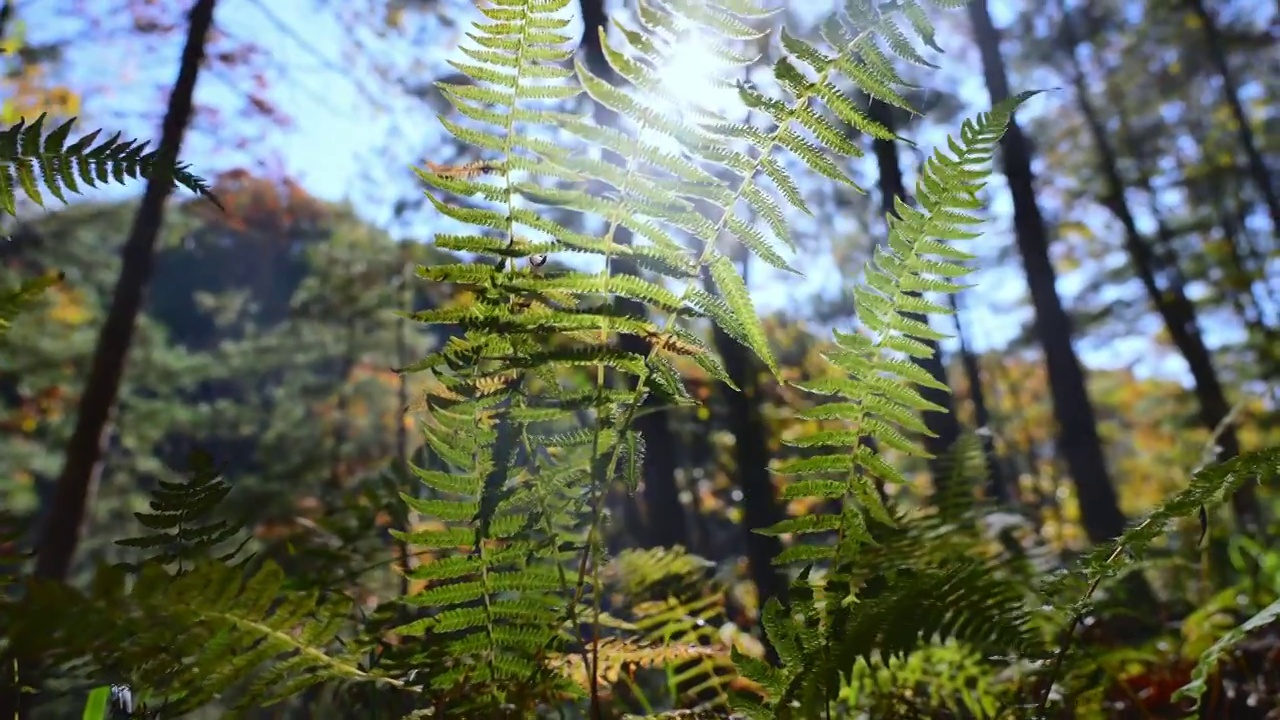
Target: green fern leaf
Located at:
point(29, 158)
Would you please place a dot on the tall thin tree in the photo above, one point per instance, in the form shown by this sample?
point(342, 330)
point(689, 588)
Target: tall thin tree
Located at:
point(83, 463)
point(1078, 439)
point(1170, 298)
point(1258, 171)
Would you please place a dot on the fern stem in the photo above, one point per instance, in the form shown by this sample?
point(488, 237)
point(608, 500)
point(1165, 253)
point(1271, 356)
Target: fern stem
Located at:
point(774, 139)
point(1068, 638)
point(599, 485)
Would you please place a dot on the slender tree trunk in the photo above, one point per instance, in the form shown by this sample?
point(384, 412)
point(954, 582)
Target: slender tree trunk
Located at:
point(997, 488)
point(1171, 302)
point(65, 521)
point(1231, 93)
point(943, 426)
point(402, 418)
point(1078, 439)
point(84, 451)
point(339, 471)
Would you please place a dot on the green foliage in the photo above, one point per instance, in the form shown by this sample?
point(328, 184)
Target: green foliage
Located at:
point(527, 328)
point(1209, 660)
point(186, 636)
point(29, 157)
point(530, 407)
point(185, 639)
point(95, 707)
point(13, 302)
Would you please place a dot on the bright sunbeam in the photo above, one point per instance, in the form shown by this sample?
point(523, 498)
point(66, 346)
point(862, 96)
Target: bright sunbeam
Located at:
point(694, 79)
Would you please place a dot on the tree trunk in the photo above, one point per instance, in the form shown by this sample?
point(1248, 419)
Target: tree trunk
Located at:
point(997, 488)
point(402, 416)
point(1172, 303)
point(1078, 440)
point(65, 521)
point(82, 466)
point(1231, 93)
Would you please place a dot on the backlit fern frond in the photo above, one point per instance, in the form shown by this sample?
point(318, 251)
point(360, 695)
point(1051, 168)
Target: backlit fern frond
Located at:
point(496, 592)
point(30, 157)
point(877, 397)
point(619, 658)
point(669, 598)
point(886, 590)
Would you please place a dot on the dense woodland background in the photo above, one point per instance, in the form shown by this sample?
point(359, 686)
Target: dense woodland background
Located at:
point(1128, 299)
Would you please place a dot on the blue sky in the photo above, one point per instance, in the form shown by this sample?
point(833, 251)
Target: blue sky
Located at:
point(337, 133)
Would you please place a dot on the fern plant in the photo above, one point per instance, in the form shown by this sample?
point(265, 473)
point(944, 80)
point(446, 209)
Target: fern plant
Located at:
point(183, 531)
point(190, 623)
point(545, 450)
point(533, 396)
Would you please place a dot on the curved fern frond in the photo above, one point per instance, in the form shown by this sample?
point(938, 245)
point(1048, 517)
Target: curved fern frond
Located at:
point(867, 605)
point(1209, 487)
point(30, 158)
point(876, 396)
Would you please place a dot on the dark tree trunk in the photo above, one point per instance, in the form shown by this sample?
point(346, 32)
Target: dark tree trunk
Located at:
point(1231, 94)
point(1171, 302)
point(998, 488)
point(64, 523)
point(82, 466)
point(402, 429)
point(1078, 440)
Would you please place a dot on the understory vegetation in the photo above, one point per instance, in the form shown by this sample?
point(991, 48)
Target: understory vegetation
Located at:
point(590, 276)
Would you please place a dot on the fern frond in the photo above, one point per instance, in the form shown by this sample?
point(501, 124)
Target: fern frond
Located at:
point(496, 592)
point(1209, 487)
point(180, 520)
point(876, 398)
point(30, 158)
point(618, 658)
point(875, 600)
point(184, 640)
point(670, 600)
